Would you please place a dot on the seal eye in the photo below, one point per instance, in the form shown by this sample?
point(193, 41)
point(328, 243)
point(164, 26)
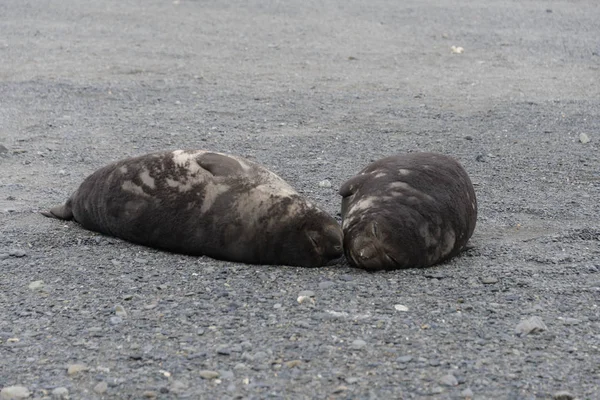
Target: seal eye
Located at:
point(312, 236)
point(375, 229)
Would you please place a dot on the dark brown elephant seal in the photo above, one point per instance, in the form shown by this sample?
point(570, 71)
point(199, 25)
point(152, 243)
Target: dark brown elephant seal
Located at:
point(200, 202)
point(409, 210)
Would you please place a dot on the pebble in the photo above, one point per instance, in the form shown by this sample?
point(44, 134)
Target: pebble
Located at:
point(76, 368)
point(150, 394)
point(358, 344)
point(530, 325)
point(302, 324)
point(239, 366)
point(116, 320)
point(226, 375)
point(304, 299)
point(449, 380)
point(467, 393)
point(277, 306)
point(120, 311)
point(3, 149)
point(207, 374)
point(101, 387)
point(140, 260)
point(563, 395)
point(326, 284)
point(351, 380)
point(36, 285)
point(246, 345)
point(571, 321)
point(260, 355)
point(488, 280)
point(14, 393)
point(4, 256)
point(224, 351)
point(293, 363)
point(60, 393)
point(17, 253)
point(340, 389)
point(178, 386)
point(583, 138)
point(400, 307)
point(326, 183)
point(404, 359)
point(306, 293)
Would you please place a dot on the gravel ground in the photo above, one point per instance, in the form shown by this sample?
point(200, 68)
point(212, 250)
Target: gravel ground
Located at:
point(313, 91)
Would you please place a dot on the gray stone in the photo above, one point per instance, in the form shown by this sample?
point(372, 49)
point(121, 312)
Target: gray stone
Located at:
point(74, 369)
point(563, 395)
point(207, 374)
point(325, 183)
point(226, 375)
point(14, 393)
point(448, 380)
point(120, 311)
point(571, 321)
point(17, 253)
point(36, 285)
point(326, 284)
point(404, 359)
point(467, 393)
point(530, 325)
point(116, 320)
point(307, 293)
point(60, 393)
point(101, 387)
point(584, 138)
point(358, 344)
point(178, 386)
point(260, 355)
point(488, 280)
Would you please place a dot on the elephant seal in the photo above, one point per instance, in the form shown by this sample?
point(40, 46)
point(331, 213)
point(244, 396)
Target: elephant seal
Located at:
point(200, 202)
point(407, 210)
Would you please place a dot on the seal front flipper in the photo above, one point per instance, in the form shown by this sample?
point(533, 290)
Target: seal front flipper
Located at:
point(351, 185)
point(60, 212)
point(219, 164)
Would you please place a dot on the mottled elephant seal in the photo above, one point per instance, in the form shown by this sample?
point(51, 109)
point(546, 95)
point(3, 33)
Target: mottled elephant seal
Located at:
point(200, 202)
point(409, 210)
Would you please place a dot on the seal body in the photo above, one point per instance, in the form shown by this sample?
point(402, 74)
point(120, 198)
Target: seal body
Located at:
point(407, 210)
point(199, 202)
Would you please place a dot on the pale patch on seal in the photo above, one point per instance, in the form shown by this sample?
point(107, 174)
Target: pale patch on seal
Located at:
point(448, 243)
point(404, 171)
point(363, 204)
point(187, 160)
point(425, 233)
point(123, 169)
point(131, 187)
point(211, 192)
point(408, 188)
point(147, 179)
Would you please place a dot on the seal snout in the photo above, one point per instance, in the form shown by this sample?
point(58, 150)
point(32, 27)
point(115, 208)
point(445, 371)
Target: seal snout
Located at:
point(328, 243)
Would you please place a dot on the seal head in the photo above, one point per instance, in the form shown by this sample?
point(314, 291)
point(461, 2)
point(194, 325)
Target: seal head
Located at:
point(404, 211)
